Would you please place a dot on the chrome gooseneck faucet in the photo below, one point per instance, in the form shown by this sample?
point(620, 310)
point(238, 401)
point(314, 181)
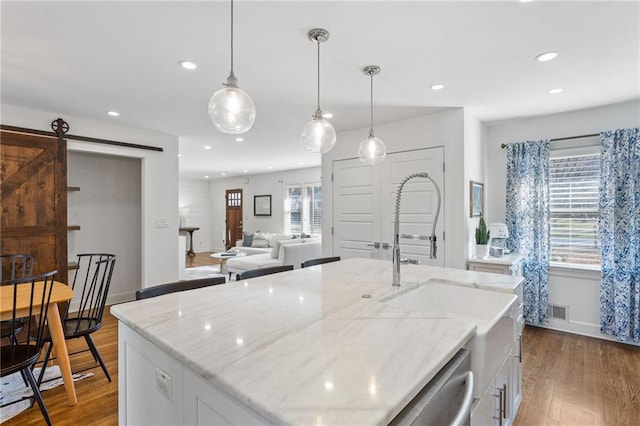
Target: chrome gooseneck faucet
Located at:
point(396, 229)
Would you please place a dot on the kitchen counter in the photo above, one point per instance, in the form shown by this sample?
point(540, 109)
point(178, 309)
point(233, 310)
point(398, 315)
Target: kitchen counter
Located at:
point(312, 345)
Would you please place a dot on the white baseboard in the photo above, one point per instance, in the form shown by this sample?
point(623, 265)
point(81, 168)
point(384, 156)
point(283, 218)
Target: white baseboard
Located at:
point(577, 327)
point(114, 299)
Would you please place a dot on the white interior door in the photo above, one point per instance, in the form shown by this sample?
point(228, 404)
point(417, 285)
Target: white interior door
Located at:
point(356, 209)
point(364, 202)
point(418, 205)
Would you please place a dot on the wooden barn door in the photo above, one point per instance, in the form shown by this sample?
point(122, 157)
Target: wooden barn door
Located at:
point(33, 192)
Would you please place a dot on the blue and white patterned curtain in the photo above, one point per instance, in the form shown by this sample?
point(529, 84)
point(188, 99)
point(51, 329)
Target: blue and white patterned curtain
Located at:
point(619, 230)
point(527, 218)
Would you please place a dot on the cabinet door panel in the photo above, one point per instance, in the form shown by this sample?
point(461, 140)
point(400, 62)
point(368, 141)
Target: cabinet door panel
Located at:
point(503, 389)
point(139, 362)
point(204, 404)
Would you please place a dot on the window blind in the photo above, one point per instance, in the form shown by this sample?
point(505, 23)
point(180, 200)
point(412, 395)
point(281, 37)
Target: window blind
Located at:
point(573, 195)
point(303, 209)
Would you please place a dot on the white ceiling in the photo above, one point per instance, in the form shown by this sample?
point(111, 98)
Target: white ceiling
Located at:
point(84, 58)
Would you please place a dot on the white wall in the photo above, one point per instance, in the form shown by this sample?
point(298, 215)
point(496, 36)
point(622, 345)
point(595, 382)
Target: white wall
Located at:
point(263, 184)
point(474, 169)
point(577, 289)
point(446, 129)
point(159, 180)
point(195, 206)
point(108, 210)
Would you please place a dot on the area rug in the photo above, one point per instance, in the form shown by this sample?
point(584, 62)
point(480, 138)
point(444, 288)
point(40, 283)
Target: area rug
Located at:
point(14, 389)
point(198, 272)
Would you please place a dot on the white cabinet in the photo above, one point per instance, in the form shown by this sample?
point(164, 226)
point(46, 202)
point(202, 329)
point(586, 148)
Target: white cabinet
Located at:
point(516, 382)
point(205, 404)
point(494, 407)
point(510, 264)
point(156, 389)
point(511, 372)
point(145, 397)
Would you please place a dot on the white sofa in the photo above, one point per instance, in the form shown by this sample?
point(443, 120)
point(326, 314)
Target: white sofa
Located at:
point(269, 242)
point(285, 252)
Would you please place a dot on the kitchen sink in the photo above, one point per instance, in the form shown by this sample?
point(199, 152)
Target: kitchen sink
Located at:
point(491, 311)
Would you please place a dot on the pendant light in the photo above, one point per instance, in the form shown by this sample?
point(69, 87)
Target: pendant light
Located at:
point(231, 108)
point(318, 134)
point(371, 150)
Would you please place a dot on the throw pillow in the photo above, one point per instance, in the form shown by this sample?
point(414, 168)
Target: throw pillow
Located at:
point(258, 243)
point(260, 235)
point(247, 239)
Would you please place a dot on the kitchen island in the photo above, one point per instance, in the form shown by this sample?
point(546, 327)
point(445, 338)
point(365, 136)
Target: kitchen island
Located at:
point(310, 346)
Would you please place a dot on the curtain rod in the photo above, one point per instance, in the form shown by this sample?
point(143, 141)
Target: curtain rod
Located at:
point(504, 145)
point(79, 138)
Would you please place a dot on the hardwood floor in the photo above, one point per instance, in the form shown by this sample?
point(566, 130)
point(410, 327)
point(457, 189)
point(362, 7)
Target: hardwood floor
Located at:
point(576, 380)
point(97, 398)
point(201, 259)
point(568, 380)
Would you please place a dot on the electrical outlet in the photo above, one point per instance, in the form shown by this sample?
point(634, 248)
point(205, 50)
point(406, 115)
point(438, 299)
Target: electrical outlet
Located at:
point(164, 384)
point(162, 222)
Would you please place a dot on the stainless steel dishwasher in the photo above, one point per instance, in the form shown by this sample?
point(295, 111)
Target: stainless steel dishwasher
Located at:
point(446, 400)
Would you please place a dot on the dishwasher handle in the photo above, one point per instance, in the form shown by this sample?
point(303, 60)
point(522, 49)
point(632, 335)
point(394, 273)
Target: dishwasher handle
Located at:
point(465, 407)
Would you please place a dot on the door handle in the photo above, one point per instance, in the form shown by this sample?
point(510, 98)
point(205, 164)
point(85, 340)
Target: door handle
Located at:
point(504, 400)
point(374, 245)
point(500, 412)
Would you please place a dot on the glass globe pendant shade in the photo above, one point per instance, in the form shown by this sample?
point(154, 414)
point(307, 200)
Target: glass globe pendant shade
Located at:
point(232, 110)
point(318, 135)
point(372, 151)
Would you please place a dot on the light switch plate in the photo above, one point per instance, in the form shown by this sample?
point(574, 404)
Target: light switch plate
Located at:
point(162, 222)
point(164, 384)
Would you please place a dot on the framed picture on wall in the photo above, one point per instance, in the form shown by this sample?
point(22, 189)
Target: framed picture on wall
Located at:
point(476, 199)
point(262, 205)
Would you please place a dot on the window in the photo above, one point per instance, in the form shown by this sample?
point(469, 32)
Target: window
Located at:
point(303, 209)
point(574, 193)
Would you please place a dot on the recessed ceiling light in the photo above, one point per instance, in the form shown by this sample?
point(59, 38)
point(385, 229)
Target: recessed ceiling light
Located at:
point(113, 113)
point(327, 115)
point(206, 176)
point(546, 56)
point(301, 163)
point(438, 86)
point(207, 147)
point(188, 65)
point(245, 171)
point(270, 167)
point(179, 155)
point(239, 139)
point(555, 91)
point(223, 174)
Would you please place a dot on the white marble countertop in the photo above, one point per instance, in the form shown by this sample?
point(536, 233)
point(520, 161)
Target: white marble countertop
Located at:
point(507, 259)
point(305, 347)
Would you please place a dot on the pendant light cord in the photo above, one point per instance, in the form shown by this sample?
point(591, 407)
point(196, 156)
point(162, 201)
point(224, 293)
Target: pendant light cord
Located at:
point(318, 43)
point(231, 73)
point(371, 129)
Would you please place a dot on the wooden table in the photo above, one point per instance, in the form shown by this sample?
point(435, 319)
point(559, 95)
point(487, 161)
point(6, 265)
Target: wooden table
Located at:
point(60, 294)
point(190, 252)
